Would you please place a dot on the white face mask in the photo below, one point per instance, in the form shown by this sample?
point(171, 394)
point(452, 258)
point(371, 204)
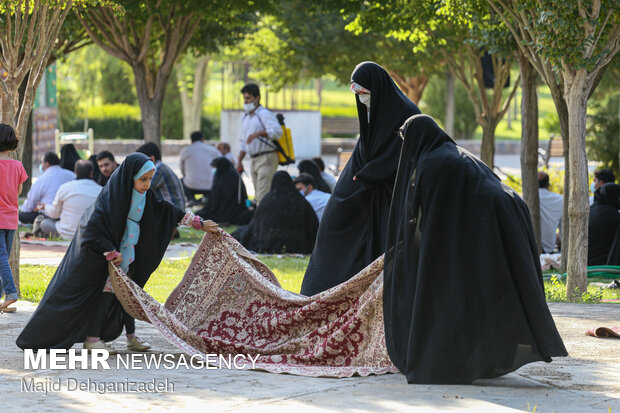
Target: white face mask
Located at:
point(365, 100)
point(249, 107)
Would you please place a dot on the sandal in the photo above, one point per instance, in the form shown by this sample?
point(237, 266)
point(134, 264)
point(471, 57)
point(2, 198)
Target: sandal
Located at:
point(4, 307)
point(99, 345)
point(137, 344)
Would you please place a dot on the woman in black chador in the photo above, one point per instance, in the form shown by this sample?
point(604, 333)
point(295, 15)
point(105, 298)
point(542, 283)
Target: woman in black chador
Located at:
point(604, 226)
point(226, 204)
point(463, 294)
point(283, 221)
point(68, 157)
point(127, 225)
point(353, 228)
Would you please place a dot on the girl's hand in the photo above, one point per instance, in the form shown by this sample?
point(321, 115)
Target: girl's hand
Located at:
point(209, 226)
point(118, 259)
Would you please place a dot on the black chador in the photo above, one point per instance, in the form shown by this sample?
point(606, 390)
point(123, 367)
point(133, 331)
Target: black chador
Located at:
point(463, 294)
point(353, 228)
point(226, 204)
point(283, 221)
point(73, 294)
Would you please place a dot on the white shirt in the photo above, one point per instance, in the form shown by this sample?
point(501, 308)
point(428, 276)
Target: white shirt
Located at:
point(260, 120)
point(550, 217)
point(318, 200)
point(329, 179)
point(45, 187)
point(196, 165)
point(71, 201)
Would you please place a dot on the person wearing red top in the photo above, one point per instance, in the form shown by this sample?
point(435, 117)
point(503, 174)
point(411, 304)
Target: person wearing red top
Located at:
point(12, 177)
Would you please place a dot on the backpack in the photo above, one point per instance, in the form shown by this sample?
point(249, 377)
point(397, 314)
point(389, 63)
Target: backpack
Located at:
point(283, 145)
point(286, 152)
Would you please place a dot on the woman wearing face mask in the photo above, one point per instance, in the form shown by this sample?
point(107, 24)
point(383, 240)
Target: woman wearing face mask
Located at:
point(127, 226)
point(353, 228)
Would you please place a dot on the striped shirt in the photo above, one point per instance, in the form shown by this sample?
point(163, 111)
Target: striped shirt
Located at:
point(167, 186)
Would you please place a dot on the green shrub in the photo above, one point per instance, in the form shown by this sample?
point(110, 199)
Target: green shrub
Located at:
point(117, 81)
point(172, 111)
point(114, 110)
point(111, 121)
point(555, 291)
point(210, 126)
point(603, 133)
point(120, 120)
point(556, 180)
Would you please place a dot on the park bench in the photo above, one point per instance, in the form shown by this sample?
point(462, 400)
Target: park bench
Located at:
point(555, 149)
point(340, 126)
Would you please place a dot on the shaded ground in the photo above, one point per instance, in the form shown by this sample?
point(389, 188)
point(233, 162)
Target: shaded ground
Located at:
point(587, 380)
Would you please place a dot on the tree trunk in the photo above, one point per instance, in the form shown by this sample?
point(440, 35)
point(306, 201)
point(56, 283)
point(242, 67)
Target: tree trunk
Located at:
point(319, 91)
point(529, 144)
point(487, 146)
point(27, 157)
point(151, 100)
point(557, 94)
point(449, 123)
point(576, 95)
point(192, 106)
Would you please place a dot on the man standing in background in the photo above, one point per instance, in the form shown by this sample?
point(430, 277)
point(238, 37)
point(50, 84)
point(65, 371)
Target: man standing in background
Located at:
point(259, 128)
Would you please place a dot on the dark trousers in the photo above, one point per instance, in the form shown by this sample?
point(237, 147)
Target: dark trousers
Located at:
point(190, 193)
point(96, 323)
point(28, 217)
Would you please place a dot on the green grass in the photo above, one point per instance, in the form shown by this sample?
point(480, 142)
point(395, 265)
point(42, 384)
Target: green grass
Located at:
point(555, 291)
point(289, 270)
point(195, 237)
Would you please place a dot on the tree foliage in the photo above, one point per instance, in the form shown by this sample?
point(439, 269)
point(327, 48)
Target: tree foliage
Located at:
point(153, 34)
point(460, 33)
point(570, 44)
point(302, 40)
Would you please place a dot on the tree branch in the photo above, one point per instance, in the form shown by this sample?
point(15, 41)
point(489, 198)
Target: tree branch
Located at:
point(99, 42)
point(510, 97)
point(593, 45)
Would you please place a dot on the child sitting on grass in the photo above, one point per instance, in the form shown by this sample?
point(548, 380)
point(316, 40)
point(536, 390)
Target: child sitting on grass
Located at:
point(12, 177)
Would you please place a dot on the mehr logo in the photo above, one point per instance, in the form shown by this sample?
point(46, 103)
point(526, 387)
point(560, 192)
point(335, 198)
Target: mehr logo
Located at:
point(60, 359)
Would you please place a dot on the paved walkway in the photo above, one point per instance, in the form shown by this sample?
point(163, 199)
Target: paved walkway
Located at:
point(587, 380)
point(51, 252)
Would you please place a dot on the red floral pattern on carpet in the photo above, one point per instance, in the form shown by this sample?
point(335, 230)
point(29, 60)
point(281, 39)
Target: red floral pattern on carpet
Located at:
point(229, 302)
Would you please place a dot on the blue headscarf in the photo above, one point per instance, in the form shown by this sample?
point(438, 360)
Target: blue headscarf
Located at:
point(132, 230)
